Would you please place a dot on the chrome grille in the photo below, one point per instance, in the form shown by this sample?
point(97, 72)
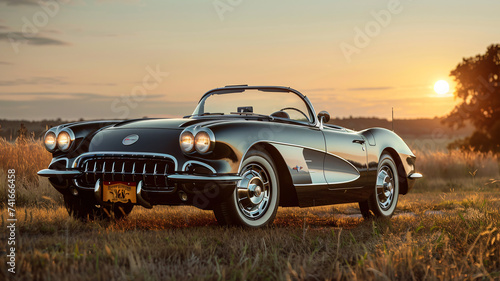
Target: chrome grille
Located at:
point(152, 171)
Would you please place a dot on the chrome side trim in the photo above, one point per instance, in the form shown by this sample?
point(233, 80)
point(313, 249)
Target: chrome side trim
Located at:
point(204, 178)
point(329, 185)
point(342, 182)
point(345, 188)
point(139, 197)
point(295, 145)
point(184, 167)
point(115, 153)
point(415, 176)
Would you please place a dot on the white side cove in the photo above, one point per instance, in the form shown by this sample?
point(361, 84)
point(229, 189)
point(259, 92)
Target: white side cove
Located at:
point(338, 170)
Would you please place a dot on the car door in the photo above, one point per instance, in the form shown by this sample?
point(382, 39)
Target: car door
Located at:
point(345, 163)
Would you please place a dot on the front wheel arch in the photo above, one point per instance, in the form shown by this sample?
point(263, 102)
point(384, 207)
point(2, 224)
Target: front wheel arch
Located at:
point(383, 201)
point(403, 179)
point(288, 194)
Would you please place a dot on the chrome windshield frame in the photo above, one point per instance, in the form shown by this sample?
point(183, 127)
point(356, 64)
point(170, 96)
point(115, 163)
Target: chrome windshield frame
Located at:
point(242, 88)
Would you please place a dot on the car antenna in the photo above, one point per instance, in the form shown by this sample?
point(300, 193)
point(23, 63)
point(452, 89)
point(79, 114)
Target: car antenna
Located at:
point(392, 119)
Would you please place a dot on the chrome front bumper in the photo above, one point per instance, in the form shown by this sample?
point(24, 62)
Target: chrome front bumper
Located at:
point(72, 174)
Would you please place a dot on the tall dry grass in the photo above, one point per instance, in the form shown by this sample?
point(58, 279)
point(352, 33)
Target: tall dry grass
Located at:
point(456, 170)
point(458, 240)
point(457, 164)
point(183, 243)
point(442, 170)
point(27, 158)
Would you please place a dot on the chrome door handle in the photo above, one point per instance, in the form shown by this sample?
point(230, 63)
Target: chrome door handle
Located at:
point(359, 141)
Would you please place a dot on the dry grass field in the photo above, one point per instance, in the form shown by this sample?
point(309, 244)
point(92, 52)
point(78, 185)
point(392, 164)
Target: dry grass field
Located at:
point(447, 228)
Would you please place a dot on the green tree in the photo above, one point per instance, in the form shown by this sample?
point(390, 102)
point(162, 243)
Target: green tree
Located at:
point(478, 87)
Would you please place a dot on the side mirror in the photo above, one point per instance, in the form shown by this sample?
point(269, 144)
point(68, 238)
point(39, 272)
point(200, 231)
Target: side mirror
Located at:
point(323, 117)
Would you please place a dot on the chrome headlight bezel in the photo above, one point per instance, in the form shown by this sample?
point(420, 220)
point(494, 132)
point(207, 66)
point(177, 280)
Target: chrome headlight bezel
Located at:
point(51, 147)
point(70, 138)
point(183, 138)
point(197, 133)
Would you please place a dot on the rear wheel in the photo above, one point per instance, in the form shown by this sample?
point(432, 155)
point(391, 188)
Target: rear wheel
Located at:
point(383, 201)
point(255, 200)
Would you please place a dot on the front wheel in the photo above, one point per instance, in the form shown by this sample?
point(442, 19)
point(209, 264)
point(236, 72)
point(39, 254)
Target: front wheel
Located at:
point(255, 200)
point(81, 209)
point(86, 210)
point(383, 201)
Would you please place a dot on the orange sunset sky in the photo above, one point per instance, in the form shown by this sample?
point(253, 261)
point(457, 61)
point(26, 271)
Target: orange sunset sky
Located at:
point(87, 58)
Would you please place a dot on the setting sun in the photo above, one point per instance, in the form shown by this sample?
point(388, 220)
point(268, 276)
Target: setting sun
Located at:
point(441, 87)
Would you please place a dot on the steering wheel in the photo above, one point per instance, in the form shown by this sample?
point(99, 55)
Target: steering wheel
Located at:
point(296, 109)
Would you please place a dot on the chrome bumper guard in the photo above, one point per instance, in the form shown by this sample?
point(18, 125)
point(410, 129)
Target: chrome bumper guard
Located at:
point(415, 176)
point(65, 174)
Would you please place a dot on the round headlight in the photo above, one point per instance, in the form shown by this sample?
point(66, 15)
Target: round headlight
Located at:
point(202, 142)
point(187, 141)
point(50, 141)
point(64, 141)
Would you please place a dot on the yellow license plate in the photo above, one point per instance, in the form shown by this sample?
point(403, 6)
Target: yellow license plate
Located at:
point(119, 192)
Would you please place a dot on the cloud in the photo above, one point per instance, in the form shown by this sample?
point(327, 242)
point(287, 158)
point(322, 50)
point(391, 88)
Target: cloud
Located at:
point(38, 41)
point(3, 27)
point(370, 88)
point(5, 63)
point(40, 80)
point(44, 96)
point(53, 31)
point(20, 2)
point(41, 96)
point(320, 90)
point(137, 2)
point(102, 84)
point(72, 106)
point(34, 81)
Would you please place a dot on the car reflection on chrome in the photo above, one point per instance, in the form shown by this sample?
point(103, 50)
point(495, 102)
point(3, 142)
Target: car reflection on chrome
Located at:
point(243, 152)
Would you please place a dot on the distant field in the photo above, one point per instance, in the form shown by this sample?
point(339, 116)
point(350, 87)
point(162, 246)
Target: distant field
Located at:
point(446, 228)
point(424, 128)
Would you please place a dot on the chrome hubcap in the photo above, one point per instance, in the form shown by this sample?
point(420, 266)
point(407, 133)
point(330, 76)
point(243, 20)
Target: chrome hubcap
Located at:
point(253, 192)
point(385, 187)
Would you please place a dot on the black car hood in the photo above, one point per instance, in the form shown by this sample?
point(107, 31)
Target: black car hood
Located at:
point(163, 123)
point(154, 135)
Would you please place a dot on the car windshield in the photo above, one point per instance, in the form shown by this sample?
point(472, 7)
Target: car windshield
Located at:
point(277, 104)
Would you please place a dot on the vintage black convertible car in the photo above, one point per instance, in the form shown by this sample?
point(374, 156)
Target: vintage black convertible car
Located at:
point(243, 152)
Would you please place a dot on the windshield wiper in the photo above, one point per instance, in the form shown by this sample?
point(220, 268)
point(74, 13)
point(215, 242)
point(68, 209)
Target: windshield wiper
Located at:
point(253, 114)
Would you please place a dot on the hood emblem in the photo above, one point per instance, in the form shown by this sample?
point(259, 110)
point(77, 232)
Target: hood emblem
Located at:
point(298, 168)
point(131, 139)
